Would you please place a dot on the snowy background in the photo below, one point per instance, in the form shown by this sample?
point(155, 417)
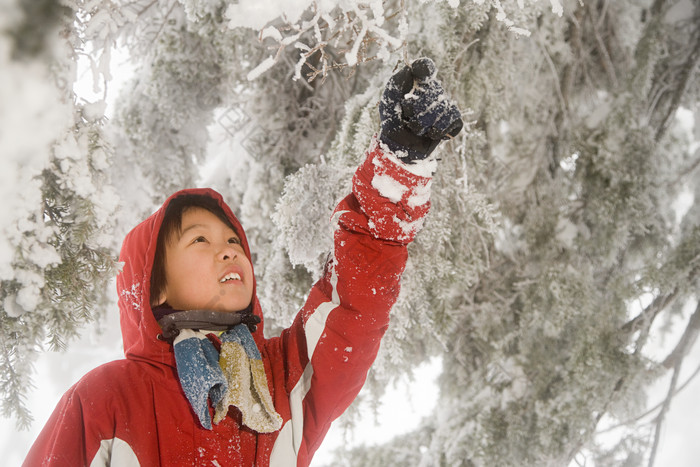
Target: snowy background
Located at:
point(196, 105)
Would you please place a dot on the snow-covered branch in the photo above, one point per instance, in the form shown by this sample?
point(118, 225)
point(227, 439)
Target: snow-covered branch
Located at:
point(340, 35)
point(344, 34)
point(58, 203)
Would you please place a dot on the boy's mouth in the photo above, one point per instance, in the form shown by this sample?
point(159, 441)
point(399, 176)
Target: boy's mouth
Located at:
point(231, 276)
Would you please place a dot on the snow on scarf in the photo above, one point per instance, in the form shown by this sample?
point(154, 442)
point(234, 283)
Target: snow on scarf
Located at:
point(233, 375)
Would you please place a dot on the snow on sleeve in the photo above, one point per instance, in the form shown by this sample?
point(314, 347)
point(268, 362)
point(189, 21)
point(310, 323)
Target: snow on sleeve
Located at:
point(422, 168)
point(389, 187)
point(420, 194)
point(409, 228)
point(394, 199)
point(392, 180)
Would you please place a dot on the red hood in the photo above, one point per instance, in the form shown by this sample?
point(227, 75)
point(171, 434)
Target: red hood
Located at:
point(139, 327)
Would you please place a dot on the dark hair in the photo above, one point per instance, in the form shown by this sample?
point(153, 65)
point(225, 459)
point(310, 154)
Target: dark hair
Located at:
point(172, 223)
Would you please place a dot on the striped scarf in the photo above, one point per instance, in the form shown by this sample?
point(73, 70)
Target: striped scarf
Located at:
point(228, 371)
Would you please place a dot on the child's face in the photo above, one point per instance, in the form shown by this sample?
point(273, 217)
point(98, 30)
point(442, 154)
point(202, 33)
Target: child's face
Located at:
point(206, 267)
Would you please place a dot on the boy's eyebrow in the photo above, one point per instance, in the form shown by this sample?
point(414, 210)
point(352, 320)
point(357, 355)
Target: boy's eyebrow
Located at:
point(194, 226)
point(191, 227)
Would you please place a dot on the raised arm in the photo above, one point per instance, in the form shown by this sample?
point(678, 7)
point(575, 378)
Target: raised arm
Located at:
point(335, 338)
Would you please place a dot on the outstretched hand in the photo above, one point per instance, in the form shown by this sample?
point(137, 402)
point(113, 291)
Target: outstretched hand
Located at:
point(416, 112)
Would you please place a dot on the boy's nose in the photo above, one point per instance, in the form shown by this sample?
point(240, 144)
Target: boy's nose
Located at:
point(227, 253)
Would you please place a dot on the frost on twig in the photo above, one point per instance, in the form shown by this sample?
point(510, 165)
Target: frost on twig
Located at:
point(335, 35)
point(328, 36)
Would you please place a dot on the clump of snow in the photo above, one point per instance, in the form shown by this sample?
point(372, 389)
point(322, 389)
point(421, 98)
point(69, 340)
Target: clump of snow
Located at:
point(409, 228)
point(557, 8)
point(30, 292)
point(271, 32)
point(601, 112)
point(11, 307)
point(303, 213)
point(420, 194)
point(388, 187)
point(509, 238)
point(256, 14)
point(94, 111)
point(566, 232)
point(261, 68)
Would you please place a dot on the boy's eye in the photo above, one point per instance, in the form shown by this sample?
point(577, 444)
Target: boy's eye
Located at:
point(235, 240)
point(199, 239)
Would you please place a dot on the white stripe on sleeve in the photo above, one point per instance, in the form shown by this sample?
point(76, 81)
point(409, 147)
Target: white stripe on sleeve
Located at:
point(115, 452)
point(286, 447)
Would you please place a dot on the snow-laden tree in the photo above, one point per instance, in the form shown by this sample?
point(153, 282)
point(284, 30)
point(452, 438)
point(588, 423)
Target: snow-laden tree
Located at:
point(577, 144)
point(555, 248)
point(55, 261)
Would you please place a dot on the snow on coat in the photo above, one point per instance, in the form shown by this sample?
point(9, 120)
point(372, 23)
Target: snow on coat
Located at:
point(134, 412)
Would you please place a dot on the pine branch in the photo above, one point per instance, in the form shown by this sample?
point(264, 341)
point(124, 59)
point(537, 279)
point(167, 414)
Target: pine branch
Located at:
point(13, 384)
point(676, 359)
point(664, 410)
point(685, 173)
point(684, 78)
point(143, 10)
point(658, 7)
point(606, 61)
point(686, 341)
point(677, 356)
point(653, 409)
point(644, 319)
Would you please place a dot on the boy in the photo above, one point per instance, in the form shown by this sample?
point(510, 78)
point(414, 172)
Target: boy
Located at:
point(187, 394)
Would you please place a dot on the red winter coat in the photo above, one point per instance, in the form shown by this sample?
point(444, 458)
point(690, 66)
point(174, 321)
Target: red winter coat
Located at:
point(133, 411)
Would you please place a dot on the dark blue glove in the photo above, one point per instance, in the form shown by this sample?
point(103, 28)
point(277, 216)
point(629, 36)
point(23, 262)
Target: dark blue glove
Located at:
point(416, 113)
